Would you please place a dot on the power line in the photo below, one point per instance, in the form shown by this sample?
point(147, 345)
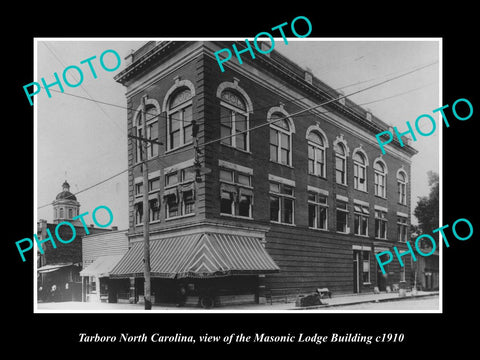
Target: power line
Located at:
point(263, 124)
point(92, 186)
point(83, 88)
point(304, 110)
point(154, 115)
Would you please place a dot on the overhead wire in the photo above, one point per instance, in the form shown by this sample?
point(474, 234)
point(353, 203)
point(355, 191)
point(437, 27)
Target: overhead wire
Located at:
point(296, 114)
point(83, 88)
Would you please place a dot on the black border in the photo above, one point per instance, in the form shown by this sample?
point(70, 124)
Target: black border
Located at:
point(427, 333)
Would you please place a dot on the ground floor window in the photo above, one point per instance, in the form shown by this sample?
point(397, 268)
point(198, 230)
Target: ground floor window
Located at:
point(402, 273)
point(366, 267)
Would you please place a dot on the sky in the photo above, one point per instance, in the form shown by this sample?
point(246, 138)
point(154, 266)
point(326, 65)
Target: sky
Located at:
point(84, 142)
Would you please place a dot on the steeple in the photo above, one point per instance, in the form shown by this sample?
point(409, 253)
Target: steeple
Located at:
point(66, 186)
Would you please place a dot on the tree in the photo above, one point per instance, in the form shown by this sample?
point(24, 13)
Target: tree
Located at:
point(427, 209)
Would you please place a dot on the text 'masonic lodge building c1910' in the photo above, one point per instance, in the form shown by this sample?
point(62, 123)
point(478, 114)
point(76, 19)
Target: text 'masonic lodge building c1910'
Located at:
point(304, 202)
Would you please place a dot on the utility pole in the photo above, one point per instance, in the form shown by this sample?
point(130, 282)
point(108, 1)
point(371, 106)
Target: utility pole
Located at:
point(146, 224)
point(146, 211)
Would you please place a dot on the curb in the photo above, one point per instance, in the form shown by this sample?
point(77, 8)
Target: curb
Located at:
point(364, 301)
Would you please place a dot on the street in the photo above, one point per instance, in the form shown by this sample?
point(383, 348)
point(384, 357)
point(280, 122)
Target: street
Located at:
point(371, 303)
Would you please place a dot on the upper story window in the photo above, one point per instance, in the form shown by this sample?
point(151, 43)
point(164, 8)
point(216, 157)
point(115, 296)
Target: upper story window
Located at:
point(152, 121)
point(153, 201)
point(180, 116)
point(380, 178)
point(138, 188)
point(380, 224)
point(281, 203)
point(361, 214)
point(234, 121)
point(139, 130)
point(360, 171)
point(317, 210)
point(236, 193)
point(179, 193)
point(402, 187)
point(280, 140)
point(146, 125)
point(402, 228)
point(340, 163)
point(316, 154)
point(342, 216)
point(138, 213)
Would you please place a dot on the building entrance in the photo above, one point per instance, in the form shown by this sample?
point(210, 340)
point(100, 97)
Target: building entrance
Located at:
point(356, 272)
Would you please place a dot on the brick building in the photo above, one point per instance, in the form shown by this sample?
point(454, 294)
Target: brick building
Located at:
point(303, 202)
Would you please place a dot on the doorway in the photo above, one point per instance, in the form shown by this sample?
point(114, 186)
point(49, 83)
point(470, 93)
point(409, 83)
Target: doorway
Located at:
point(356, 272)
point(382, 278)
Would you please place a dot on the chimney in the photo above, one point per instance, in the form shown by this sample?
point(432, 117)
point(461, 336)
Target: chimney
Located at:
point(129, 58)
point(114, 228)
point(309, 75)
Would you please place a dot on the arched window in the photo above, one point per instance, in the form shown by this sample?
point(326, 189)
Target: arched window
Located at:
point(139, 130)
point(145, 125)
point(340, 163)
point(380, 174)
point(316, 154)
point(234, 120)
point(61, 213)
point(359, 171)
point(70, 213)
point(151, 121)
point(180, 116)
point(280, 139)
point(402, 187)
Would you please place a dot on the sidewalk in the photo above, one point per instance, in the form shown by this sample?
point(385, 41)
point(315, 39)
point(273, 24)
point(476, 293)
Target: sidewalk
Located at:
point(340, 300)
point(352, 299)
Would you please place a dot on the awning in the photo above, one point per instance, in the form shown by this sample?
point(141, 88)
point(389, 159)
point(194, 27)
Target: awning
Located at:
point(102, 266)
point(198, 256)
point(52, 267)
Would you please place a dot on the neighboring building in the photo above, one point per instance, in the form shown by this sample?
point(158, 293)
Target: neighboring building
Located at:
point(66, 206)
point(59, 267)
point(426, 268)
point(100, 253)
point(302, 203)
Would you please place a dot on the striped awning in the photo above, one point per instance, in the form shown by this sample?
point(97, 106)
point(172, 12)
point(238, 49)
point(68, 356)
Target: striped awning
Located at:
point(102, 266)
point(198, 256)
